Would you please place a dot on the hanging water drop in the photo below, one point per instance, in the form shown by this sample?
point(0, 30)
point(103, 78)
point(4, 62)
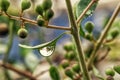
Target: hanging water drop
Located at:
point(47, 51)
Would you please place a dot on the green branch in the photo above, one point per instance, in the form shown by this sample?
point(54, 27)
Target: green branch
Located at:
point(103, 35)
point(76, 36)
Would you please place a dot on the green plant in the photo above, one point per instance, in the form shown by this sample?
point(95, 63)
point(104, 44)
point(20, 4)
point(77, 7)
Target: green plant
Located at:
point(74, 64)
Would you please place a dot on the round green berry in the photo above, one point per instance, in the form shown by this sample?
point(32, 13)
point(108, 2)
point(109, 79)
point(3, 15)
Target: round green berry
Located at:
point(3, 30)
point(114, 32)
point(71, 55)
point(49, 14)
point(40, 21)
point(117, 68)
point(89, 26)
point(69, 47)
point(65, 63)
point(5, 5)
point(69, 73)
point(22, 33)
point(88, 36)
point(39, 9)
point(76, 68)
point(25, 4)
point(47, 4)
point(109, 72)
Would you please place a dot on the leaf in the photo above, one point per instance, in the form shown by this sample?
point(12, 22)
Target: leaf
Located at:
point(97, 74)
point(50, 43)
point(82, 33)
point(82, 4)
point(54, 73)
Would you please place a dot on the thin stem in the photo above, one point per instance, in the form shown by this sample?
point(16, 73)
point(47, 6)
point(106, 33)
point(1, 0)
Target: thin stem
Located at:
point(103, 35)
point(85, 10)
point(9, 46)
point(76, 36)
point(24, 73)
point(35, 22)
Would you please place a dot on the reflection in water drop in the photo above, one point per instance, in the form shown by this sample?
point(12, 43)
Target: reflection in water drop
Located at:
point(47, 51)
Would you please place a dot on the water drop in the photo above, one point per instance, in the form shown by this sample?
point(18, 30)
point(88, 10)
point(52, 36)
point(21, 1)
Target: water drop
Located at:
point(47, 51)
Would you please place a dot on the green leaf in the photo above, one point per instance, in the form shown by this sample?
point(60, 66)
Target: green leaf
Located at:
point(53, 42)
point(82, 4)
point(81, 32)
point(54, 74)
point(97, 74)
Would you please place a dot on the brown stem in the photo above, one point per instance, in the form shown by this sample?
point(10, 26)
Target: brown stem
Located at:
point(24, 73)
point(35, 22)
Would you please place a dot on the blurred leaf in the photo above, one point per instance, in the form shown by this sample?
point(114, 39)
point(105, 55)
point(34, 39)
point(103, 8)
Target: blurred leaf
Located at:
point(82, 4)
point(54, 74)
point(82, 33)
point(97, 74)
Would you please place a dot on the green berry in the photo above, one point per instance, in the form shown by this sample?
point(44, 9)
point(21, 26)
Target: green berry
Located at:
point(54, 74)
point(39, 9)
point(65, 63)
point(40, 21)
point(22, 33)
point(49, 14)
point(47, 4)
point(3, 30)
point(25, 4)
point(110, 72)
point(69, 47)
point(117, 68)
point(88, 36)
point(76, 68)
point(114, 32)
point(71, 55)
point(68, 72)
point(5, 5)
point(89, 26)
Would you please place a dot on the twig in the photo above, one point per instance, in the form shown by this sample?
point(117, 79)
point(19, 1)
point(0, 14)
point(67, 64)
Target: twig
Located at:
point(75, 33)
point(35, 22)
point(41, 73)
point(103, 35)
point(85, 10)
point(24, 73)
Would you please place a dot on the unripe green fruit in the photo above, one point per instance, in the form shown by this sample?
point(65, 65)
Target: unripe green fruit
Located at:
point(54, 74)
point(114, 32)
point(110, 72)
point(89, 26)
point(40, 21)
point(65, 63)
point(49, 14)
point(25, 4)
point(39, 9)
point(22, 33)
point(117, 68)
point(47, 4)
point(5, 5)
point(69, 72)
point(3, 30)
point(88, 36)
point(71, 55)
point(76, 68)
point(69, 47)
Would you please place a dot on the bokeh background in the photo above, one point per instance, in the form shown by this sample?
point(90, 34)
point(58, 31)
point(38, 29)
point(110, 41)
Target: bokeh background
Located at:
point(32, 59)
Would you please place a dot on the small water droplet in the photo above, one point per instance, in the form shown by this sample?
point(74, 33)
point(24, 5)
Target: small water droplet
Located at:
point(47, 51)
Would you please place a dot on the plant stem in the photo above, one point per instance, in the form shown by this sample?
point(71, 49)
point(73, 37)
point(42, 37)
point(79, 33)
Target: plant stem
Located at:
point(35, 22)
point(76, 36)
point(85, 10)
point(103, 35)
point(9, 46)
point(24, 73)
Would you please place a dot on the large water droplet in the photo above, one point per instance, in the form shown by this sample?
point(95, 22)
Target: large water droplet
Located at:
point(47, 51)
